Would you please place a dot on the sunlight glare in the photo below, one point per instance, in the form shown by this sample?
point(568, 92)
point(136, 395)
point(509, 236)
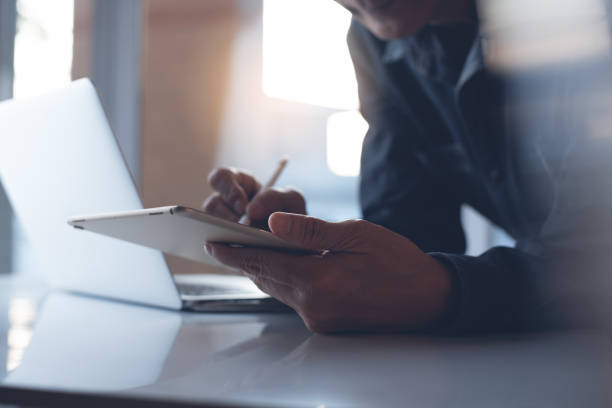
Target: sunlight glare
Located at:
point(305, 55)
point(345, 133)
point(43, 46)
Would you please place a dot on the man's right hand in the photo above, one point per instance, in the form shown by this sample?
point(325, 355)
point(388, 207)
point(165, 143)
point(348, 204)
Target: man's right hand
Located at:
point(237, 192)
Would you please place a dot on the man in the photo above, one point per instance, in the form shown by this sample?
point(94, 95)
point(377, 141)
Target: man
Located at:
point(439, 137)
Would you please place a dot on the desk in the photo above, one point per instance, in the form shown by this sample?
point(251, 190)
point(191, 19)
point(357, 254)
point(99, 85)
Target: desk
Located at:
point(93, 348)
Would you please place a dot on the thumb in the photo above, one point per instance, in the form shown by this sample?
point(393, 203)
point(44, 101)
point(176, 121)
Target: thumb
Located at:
point(311, 233)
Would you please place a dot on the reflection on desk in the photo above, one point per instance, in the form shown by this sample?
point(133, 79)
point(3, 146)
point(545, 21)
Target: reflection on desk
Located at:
point(92, 344)
point(88, 344)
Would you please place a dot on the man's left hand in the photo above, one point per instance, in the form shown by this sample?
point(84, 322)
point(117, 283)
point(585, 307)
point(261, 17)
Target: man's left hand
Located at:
point(366, 277)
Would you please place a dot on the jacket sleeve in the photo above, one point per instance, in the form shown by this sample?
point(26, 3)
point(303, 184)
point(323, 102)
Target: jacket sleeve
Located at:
point(560, 276)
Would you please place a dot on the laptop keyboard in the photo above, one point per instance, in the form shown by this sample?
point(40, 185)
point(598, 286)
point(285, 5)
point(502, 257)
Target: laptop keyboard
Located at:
point(205, 290)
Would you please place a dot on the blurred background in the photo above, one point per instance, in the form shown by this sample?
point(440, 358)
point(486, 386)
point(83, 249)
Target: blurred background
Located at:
point(190, 84)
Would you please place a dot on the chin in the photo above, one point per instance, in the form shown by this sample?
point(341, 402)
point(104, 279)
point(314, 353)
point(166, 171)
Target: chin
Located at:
point(403, 18)
point(392, 31)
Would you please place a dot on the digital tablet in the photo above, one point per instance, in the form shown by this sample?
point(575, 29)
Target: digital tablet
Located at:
point(178, 230)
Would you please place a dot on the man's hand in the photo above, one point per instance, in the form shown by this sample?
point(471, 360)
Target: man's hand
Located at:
point(236, 192)
point(366, 277)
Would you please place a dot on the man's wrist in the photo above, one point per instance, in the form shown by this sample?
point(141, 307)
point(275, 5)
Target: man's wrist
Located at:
point(448, 295)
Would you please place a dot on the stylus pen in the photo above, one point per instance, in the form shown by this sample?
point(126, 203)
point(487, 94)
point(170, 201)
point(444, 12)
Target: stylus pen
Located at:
point(279, 169)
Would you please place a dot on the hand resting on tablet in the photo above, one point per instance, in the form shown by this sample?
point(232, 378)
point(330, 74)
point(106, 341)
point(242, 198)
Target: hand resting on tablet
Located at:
point(236, 192)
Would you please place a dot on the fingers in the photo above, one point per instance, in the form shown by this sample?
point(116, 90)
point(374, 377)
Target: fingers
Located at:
point(250, 185)
point(292, 270)
point(284, 293)
point(234, 187)
point(306, 283)
point(215, 205)
point(272, 200)
point(316, 234)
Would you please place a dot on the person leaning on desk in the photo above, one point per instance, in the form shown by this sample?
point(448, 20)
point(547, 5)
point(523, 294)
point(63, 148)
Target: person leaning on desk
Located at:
point(441, 134)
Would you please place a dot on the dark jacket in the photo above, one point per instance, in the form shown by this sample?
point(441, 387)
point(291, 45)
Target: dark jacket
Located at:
point(446, 131)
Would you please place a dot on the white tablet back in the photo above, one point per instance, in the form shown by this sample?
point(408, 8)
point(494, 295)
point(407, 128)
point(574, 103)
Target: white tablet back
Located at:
point(58, 157)
point(179, 231)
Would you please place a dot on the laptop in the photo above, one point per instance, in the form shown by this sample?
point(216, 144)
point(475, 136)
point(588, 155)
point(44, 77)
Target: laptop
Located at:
point(58, 158)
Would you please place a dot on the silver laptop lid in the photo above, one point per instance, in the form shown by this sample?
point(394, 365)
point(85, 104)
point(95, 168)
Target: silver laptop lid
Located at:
point(58, 157)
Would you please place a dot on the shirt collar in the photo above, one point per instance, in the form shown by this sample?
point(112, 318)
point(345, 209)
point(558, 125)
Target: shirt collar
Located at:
point(395, 50)
point(411, 49)
point(474, 62)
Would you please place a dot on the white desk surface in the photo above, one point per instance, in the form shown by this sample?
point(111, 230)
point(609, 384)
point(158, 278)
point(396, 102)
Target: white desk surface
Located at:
point(74, 344)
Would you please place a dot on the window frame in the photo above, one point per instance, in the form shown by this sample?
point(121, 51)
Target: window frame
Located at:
point(8, 28)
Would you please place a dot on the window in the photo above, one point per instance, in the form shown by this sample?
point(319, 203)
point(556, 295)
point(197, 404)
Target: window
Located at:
point(313, 66)
point(43, 39)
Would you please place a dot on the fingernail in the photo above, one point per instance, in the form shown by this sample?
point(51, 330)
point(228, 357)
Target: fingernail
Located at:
point(239, 206)
point(208, 249)
point(282, 223)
